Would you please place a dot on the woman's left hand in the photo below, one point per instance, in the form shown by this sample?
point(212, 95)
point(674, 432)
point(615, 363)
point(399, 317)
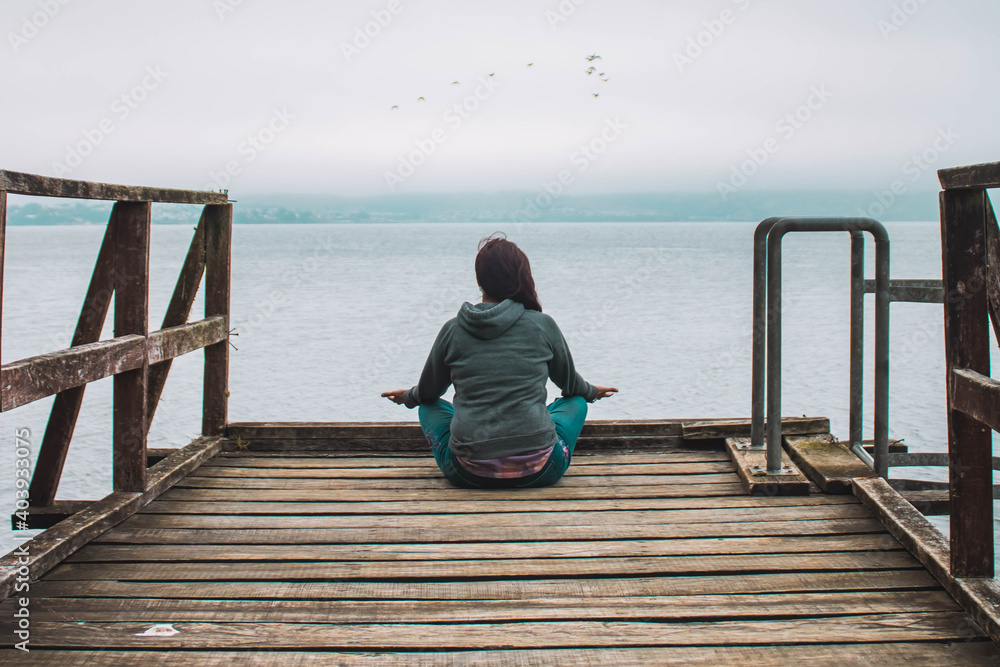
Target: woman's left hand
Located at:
point(396, 396)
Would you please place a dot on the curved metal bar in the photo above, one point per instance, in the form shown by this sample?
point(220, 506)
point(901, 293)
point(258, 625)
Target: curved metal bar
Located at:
point(854, 226)
point(760, 317)
point(857, 398)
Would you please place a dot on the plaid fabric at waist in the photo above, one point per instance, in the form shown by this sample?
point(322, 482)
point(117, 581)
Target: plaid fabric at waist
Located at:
point(508, 467)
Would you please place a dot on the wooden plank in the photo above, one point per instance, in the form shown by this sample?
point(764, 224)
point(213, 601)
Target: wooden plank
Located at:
point(569, 549)
point(52, 546)
point(981, 599)
point(45, 186)
point(513, 589)
point(653, 608)
point(926, 459)
point(721, 429)
point(66, 405)
point(364, 466)
point(597, 428)
point(445, 532)
point(501, 568)
point(434, 482)
point(830, 464)
point(349, 459)
point(758, 484)
point(131, 317)
point(168, 344)
point(178, 311)
point(963, 217)
point(523, 516)
point(523, 502)
point(895, 447)
point(49, 515)
point(418, 445)
point(816, 655)
point(218, 257)
point(940, 627)
point(910, 291)
point(929, 503)
point(35, 378)
point(976, 395)
point(291, 497)
point(976, 176)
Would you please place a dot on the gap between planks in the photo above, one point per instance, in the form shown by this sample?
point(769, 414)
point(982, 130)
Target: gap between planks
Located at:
point(874, 628)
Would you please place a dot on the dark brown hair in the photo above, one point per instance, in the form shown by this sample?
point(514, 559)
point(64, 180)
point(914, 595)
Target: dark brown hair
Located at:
point(503, 272)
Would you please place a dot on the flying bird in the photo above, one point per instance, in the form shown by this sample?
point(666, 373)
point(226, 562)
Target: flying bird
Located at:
point(597, 94)
point(394, 106)
point(420, 99)
point(591, 70)
point(530, 64)
point(454, 83)
point(492, 73)
point(593, 57)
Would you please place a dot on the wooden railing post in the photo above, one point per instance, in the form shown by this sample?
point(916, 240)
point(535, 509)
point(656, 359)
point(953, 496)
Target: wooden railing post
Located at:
point(966, 317)
point(66, 405)
point(132, 230)
point(218, 252)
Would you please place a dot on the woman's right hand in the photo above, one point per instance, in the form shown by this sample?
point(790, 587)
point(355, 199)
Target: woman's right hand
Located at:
point(604, 392)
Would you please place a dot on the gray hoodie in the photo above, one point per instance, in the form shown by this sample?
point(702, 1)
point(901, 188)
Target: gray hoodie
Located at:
point(499, 356)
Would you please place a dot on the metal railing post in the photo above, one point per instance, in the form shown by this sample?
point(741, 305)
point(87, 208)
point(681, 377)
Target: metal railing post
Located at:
point(768, 312)
point(882, 355)
point(759, 343)
point(857, 337)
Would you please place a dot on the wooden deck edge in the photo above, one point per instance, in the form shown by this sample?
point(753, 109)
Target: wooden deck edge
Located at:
point(980, 598)
point(688, 429)
point(830, 464)
point(720, 429)
point(47, 549)
point(764, 485)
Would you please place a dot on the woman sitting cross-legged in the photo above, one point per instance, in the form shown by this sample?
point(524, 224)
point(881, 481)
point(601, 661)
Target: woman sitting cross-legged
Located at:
point(499, 354)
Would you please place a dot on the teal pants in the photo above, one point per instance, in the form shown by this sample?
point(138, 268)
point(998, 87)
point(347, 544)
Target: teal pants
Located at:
point(568, 414)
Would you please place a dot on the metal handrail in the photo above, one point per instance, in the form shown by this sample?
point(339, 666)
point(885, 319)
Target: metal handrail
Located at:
point(767, 335)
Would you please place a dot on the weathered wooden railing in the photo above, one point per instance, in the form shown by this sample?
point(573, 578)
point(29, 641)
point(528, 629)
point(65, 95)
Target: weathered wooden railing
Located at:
point(970, 244)
point(138, 359)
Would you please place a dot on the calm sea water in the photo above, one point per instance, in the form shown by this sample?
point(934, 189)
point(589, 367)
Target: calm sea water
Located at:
point(329, 316)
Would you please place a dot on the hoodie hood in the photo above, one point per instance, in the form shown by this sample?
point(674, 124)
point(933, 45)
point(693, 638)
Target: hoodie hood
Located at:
point(489, 320)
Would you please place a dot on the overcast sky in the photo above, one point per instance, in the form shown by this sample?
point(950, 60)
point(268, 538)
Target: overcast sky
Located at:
point(292, 96)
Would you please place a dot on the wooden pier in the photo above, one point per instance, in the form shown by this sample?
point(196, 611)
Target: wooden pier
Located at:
point(340, 543)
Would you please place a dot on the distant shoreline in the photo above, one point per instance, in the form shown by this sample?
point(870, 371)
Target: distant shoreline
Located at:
point(510, 208)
